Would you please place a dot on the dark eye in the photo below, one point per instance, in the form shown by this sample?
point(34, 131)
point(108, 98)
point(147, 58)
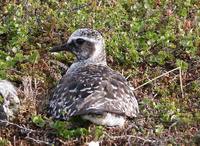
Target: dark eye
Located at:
point(80, 41)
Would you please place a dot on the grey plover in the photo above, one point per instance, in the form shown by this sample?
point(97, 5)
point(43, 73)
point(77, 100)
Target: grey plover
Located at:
point(10, 104)
point(90, 88)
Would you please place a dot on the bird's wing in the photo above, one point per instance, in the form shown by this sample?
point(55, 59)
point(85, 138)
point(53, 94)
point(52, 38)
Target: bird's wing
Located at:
point(94, 89)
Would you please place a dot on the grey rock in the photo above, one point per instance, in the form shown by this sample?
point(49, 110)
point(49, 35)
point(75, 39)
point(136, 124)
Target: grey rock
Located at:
point(11, 103)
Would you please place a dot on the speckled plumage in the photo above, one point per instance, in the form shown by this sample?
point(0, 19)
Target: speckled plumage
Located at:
point(90, 87)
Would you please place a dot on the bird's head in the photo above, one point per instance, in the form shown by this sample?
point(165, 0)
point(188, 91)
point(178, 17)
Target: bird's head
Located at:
point(87, 45)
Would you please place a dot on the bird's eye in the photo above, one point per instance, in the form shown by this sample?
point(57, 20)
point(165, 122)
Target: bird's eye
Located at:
point(80, 41)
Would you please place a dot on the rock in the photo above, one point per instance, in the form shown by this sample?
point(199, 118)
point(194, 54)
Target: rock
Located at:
point(93, 143)
point(9, 101)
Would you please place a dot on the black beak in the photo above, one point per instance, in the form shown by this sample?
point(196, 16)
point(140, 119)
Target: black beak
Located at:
point(63, 47)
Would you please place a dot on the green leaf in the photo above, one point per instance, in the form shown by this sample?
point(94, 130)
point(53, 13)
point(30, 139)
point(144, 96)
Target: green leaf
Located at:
point(34, 57)
point(98, 132)
point(159, 129)
point(38, 120)
point(182, 64)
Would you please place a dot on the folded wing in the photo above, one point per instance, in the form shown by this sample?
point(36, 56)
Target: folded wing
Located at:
point(93, 90)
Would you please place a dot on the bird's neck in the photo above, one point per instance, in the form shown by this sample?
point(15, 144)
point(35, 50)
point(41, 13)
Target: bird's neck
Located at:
point(79, 64)
point(98, 58)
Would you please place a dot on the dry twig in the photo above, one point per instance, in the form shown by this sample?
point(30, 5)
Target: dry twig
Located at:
point(28, 131)
point(129, 137)
point(164, 74)
point(16, 125)
point(37, 140)
point(181, 82)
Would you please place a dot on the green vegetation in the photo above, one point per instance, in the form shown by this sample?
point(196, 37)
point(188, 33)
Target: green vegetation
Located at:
point(1, 100)
point(38, 120)
point(61, 129)
point(144, 38)
point(4, 142)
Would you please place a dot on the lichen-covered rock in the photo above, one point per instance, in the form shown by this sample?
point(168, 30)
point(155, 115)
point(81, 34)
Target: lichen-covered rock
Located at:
point(9, 101)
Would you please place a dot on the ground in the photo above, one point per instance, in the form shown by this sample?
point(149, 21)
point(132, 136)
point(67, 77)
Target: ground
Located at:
point(154, 43)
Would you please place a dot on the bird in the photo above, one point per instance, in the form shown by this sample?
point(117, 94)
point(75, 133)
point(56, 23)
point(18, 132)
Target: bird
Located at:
point(10, 103)
point(90, 88)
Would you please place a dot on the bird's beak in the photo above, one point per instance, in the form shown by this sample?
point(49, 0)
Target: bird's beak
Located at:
point(63, 47)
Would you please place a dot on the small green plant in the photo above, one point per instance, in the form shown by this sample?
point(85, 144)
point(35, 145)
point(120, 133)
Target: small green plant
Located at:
point(1, 100)
point(195, 86)
point(182, 64)
point(61, 129)
point(197, 116)
point(98, 131)
point(159, 129)
point(161, 57)
point(168, 110)
point(4, 142)
point(38, 120)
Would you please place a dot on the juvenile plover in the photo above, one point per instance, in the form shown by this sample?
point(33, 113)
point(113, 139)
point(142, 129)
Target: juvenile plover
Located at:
point(90, 88)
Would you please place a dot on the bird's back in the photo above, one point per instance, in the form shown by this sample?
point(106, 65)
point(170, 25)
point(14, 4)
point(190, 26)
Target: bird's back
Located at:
point(92, 89)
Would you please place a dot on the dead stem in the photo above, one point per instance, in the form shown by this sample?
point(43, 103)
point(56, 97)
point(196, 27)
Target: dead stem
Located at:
point(164, 74)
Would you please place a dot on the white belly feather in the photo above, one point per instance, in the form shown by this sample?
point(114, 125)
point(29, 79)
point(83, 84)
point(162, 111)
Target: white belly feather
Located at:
point(108, 119)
